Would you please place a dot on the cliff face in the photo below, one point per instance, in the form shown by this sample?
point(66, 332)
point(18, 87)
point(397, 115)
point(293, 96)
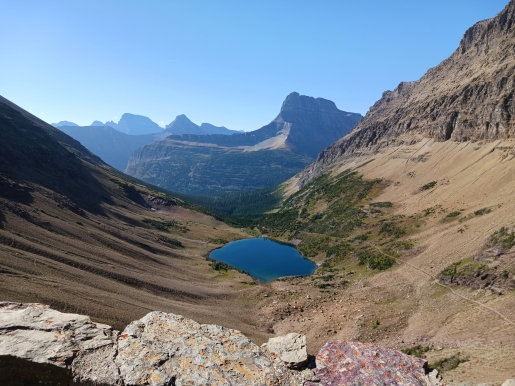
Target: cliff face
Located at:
point(468, 97)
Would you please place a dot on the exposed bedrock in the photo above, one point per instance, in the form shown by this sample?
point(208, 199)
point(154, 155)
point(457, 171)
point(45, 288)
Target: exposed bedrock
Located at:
point(166, 349)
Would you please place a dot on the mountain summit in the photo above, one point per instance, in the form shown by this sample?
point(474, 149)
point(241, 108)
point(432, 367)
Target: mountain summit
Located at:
point(135, 125)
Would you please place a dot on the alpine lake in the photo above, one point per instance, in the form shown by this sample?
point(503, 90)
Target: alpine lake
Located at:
point(264, 259)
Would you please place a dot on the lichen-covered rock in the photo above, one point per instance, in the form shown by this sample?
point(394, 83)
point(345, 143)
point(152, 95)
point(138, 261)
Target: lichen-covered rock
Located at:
point(290, 348)
point(164, 349)
point(37, 333)
point(96, 366)
point(353, 363)
point(168, 349)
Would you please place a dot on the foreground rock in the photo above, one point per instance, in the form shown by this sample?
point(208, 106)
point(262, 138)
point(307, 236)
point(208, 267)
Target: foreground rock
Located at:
point(167, 349)
point(163, 349)
point(291, 349)
point(354, 363)
point(39, 334)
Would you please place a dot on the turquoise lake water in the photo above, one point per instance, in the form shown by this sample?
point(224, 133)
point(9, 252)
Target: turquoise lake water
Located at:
point(264, 259)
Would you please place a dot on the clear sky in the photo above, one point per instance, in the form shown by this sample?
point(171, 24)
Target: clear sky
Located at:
point(227, 62)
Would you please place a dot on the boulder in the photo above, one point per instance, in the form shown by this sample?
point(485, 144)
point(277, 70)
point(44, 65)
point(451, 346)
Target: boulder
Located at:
point(164, 349)
point(291, 349)
point(39, 334)
point(353, 363)
point(509, 382)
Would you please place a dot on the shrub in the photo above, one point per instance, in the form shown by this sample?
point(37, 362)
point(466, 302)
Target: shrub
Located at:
point(428, 186)
point(392, 229)
point(160, 225)
point(482, 211)
point(450, 363)
point(417, 351)
point(385, 204)
point(173, 242)
point(453, 214)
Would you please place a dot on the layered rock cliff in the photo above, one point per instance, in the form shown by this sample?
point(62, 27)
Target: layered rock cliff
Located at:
point(468, 97)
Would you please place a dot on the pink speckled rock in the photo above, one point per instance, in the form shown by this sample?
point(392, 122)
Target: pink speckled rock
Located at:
point(353, 364)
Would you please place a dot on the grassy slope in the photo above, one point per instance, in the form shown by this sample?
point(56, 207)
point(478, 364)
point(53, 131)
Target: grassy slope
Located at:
point(438, 192)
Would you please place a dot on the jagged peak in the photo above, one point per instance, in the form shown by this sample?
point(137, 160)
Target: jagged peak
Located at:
point(481, 33)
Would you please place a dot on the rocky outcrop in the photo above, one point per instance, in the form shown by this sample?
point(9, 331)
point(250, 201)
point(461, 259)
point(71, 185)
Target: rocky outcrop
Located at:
point(37, 333)
point(163, 349)
point(160, 348)
point(354, 363)
point(468, 97)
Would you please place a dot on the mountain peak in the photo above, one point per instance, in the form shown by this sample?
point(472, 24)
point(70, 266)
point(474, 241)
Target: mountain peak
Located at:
point(295, 102)
point(97, 123)
point(137, 125)
point(64, 123)
point(182, 118)
point(182, 125)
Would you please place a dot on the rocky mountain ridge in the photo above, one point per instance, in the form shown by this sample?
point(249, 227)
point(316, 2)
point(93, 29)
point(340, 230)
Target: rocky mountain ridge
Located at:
point(210, 164)
point(304, 124)
point(134, 125)
point(468, 97)
point(110, 144)
point(116, 142)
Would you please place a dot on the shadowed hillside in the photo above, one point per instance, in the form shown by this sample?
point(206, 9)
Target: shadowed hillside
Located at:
point(82, 237)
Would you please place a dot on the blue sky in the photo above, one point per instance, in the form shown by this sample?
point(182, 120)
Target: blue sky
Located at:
point(229, 63)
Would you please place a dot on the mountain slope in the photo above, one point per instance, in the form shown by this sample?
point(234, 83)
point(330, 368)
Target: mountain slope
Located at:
point(209, 164)
point(113, 146)
point(438, 218)
point(78, 235)
point(468, 97)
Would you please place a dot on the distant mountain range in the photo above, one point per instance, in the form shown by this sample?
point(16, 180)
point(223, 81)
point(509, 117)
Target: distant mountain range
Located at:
point(115, 142)
point(207, 159)
point(210, 164)
point(140, 125)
